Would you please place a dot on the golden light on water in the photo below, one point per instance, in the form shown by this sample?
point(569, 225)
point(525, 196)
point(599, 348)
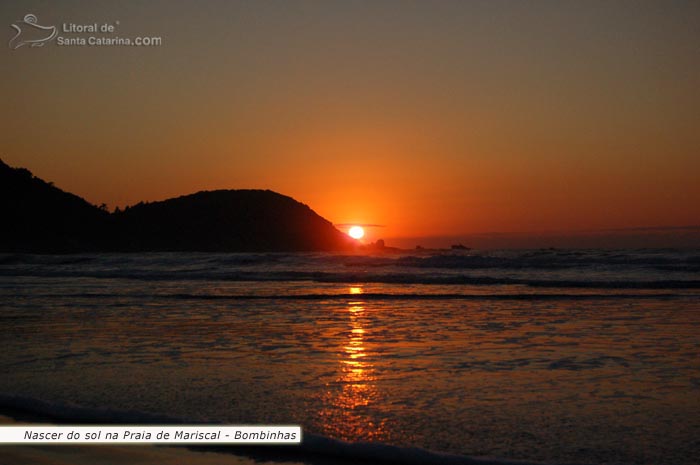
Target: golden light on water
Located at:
point(355, 386)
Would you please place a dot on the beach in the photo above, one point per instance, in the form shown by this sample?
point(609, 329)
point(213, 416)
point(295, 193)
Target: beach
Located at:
point(545, 356)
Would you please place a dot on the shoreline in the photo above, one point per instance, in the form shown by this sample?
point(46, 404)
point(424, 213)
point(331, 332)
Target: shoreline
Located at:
point(319, 451)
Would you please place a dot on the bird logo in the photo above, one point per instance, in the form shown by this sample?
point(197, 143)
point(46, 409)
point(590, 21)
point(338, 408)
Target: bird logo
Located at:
point(31, 33)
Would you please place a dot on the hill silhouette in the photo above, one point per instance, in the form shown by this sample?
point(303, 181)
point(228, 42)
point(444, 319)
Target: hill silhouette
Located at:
point(39, 217)
point(228, 220)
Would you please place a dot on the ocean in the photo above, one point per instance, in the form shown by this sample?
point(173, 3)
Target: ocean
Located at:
point(552, 356)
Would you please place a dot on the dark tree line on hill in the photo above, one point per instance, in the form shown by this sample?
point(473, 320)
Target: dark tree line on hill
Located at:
point(41, 218)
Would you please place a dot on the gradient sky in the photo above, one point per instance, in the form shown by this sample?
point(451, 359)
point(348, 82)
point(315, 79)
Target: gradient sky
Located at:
point(428, 117)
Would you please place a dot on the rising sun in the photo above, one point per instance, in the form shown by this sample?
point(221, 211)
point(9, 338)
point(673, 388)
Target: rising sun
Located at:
point(356, 232)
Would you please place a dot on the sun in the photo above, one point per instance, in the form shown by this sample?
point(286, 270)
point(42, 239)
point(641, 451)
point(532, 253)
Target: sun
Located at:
point(356, 232)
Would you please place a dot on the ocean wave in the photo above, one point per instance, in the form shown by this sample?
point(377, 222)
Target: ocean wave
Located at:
point(350, 278)
point(516, 259)
point(551, 260)
point(374, 296)
point(536, 269)
point(313, 449)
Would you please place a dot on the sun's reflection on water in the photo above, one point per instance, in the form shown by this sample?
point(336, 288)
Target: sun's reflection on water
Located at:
point(346, 401)
point(356, 290)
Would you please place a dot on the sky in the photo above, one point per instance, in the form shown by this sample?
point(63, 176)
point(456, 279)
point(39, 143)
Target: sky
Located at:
point(429, 118)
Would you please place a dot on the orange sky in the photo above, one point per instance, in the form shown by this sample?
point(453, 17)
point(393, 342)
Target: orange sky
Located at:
point(430, 118)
